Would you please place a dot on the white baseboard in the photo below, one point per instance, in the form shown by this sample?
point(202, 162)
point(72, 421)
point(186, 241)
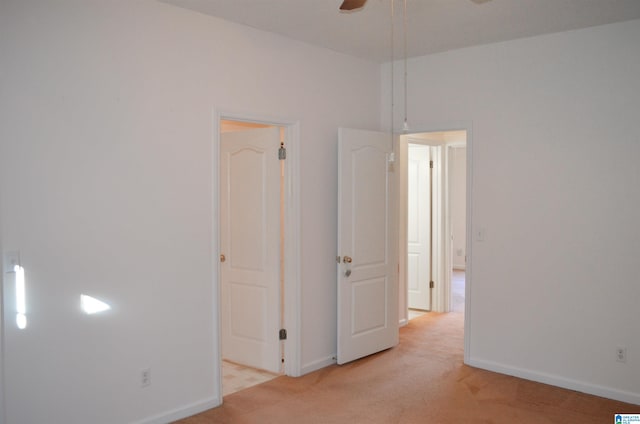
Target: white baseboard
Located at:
point(316, 365)
point(555, 380)
point(182, 412)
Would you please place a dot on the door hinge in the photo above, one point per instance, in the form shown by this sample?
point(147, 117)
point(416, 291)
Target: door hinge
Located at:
point(282, 152)
point(430, 164)
point(431, 284)
point(282, 334)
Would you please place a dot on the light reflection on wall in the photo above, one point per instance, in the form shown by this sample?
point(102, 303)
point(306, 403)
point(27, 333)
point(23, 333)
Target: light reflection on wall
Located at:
point(21, 298)
point(90, 305)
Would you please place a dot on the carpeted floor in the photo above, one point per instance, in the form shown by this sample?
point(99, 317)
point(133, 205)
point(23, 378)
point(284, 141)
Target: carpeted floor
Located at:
point(423, 380)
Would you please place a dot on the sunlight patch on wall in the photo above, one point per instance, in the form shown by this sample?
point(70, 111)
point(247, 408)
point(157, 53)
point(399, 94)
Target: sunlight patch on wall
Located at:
point(90, 305)
point(21, 298)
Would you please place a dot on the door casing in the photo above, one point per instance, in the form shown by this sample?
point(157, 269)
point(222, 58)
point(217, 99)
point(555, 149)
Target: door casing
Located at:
point(441, 294)
point(292, 292)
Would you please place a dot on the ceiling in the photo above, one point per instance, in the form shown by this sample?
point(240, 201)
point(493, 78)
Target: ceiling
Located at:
point(433, 25)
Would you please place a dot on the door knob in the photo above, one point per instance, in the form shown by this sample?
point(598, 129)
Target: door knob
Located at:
point(222, 258)
point(347, 260)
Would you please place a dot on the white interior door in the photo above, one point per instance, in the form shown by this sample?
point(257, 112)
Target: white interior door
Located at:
point(418, 226)
point(367, 245)
point(249, 241)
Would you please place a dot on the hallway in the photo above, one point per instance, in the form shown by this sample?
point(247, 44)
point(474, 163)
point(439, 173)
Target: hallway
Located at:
point(458, 282)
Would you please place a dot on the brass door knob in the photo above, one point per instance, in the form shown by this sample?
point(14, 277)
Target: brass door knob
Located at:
point(222, 258)
point(347, 259)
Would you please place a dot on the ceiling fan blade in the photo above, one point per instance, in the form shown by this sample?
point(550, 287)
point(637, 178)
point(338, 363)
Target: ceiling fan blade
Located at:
point(348, 5)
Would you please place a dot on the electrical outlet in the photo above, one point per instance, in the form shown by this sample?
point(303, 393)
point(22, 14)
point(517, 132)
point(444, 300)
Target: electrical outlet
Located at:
point(621, 354)
point(145, 377)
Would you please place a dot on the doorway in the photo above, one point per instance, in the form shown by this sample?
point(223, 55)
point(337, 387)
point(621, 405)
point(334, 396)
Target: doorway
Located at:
point(433, 222)
point(257, 229)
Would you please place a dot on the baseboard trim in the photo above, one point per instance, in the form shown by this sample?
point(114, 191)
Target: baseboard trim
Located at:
point(319, 364)
point(555, 380)
point(183, 412)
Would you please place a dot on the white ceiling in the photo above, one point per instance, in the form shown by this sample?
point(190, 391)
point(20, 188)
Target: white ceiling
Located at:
point(433, 25)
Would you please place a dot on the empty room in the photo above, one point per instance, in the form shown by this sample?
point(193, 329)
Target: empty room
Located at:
point(120, 224)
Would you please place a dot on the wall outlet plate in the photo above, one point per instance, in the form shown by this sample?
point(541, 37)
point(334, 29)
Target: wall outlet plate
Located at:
point(145, 377)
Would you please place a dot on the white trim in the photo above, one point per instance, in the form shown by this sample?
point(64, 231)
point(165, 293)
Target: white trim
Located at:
point(440, 255)
point(215, 251)
point(554, 380)
point(447, 243)
point(469, 229)
point(292, 237)
point(318, 364)
point(182, 412)
point(403, 183)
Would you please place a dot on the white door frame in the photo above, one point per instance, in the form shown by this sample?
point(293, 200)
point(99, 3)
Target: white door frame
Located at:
point(291, 237)
point(442, 295)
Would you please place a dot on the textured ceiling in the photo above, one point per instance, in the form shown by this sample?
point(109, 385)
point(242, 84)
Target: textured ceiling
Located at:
point(433, 25)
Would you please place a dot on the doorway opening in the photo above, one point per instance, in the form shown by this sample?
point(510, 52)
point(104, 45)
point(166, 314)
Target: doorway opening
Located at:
point(257, 230)
point(433, 238)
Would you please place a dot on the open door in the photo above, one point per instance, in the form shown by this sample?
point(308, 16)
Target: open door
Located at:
point(367, 245)
point(249, 243)
point(419, 225)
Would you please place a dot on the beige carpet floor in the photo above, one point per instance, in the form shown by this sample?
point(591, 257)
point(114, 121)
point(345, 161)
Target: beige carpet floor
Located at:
point(423, 380)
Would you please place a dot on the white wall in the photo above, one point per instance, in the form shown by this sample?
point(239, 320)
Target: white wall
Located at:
point(555, 141)
point(105, 178)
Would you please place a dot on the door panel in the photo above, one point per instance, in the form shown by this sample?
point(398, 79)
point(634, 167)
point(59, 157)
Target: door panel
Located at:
point(248, 208)
point(367, 273)
point(249, 240)
point(369, 298)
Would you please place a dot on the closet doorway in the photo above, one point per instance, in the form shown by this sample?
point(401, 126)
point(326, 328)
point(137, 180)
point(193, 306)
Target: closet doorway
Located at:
point(254, 206)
